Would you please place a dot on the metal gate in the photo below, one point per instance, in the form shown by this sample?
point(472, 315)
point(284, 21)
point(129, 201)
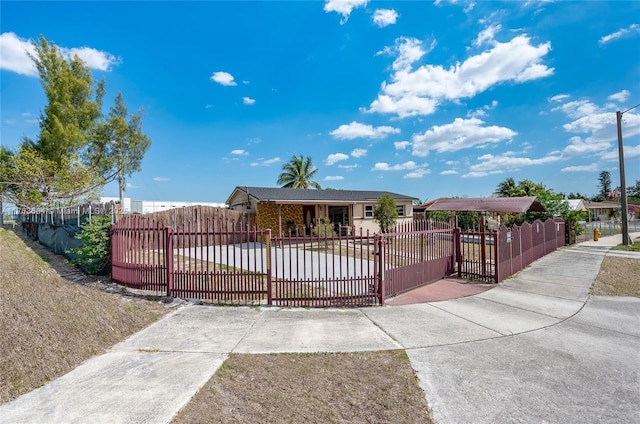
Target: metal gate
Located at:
point(418, 254)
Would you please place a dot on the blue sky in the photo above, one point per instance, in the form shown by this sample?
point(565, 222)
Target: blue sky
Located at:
point(428, 99)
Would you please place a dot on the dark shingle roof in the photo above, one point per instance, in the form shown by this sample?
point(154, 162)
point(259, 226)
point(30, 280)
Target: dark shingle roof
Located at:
point(265, 194)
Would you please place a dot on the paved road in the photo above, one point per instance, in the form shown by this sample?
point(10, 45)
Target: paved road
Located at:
point(535, 349)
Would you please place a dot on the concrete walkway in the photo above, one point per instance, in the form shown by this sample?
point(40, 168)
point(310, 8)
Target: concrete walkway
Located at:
point(536, 348)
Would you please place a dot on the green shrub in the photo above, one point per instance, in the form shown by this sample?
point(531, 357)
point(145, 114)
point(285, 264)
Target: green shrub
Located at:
point(324, 229)
point(94, 255)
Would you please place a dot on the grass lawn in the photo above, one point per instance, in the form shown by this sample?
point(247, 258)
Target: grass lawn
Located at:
point(366, 387)
point(50, 325)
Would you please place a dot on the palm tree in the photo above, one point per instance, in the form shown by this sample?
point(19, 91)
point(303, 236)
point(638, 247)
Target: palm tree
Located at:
point(298, 173)
point(505, 188)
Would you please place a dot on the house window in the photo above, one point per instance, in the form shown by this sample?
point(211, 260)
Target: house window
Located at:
point(368, 211)
point(400, 209)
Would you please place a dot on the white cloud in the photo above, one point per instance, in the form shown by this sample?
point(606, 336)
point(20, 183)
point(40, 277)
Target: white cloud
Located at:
point(160, 179)
point(248, 100)
point(240, 152)
point(404, 107)
point(508, 161)
point(358, 153)
point(333, 178)
point(407, 51)
point(487, 35)
point(266, 162)
point(629, 152)
point(449, 172)
point(95, 59)
point(383, 166)
point(558, 98)
point(578, 108)
point(596, 124)
point(419, 92)
point(624, 32)
point(349, 167)
point(482, 112)
point(577, 146)
point(13, 55)
point(223, 78)
point(460, 134)
point(385, 17)
point(418, 173)
point(401, 145)
point(343, 7)
point(474, 175)
point(356, 130)
point(581, 168)
point(335, 157)
point(620, 96)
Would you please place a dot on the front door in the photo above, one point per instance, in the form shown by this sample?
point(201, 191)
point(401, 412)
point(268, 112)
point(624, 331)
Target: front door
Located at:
point(339, 216)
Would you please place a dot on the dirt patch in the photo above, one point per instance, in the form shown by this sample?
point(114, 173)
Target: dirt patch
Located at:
point(618, 276)
point(53, 319)
point(368, 387)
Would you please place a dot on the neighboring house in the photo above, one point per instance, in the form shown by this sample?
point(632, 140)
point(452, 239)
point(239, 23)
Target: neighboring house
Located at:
point(576, 205)
point(280, 209)
point(601, 211)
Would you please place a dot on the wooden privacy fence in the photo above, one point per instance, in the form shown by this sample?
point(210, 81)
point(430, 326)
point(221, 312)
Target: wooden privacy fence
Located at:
point(226, 262)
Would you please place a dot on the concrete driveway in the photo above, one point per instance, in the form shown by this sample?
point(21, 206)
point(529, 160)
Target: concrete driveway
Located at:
point(535, 349)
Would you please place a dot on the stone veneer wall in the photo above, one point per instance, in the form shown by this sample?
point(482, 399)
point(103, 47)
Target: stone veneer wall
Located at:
point(267, 216)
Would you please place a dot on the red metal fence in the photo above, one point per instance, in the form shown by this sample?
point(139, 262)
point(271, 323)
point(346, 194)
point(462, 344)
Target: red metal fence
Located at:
point(519, 246)
point(197, 261)
point(227, 262)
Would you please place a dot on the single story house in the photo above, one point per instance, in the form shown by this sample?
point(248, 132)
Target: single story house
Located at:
point(602, 211)
point(281, 209)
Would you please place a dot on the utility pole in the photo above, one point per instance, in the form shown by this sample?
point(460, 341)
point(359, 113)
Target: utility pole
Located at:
point(623, 184)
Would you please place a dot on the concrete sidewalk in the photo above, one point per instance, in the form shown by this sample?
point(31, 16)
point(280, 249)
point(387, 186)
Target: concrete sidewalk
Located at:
point(535, 348)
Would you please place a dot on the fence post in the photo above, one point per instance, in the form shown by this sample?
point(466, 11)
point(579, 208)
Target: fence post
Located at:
point(496, 237)
point(457, 246)
point(268, 254)
point(168, 258)
point(380, 256)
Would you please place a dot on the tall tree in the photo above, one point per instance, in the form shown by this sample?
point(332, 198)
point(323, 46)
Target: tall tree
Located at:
point(298, 173)
point(119, 145)
point(78, 150)
point(74, 102)
point(604, 180)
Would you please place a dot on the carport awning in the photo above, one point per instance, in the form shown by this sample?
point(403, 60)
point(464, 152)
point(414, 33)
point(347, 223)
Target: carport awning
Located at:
point(486, 204)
